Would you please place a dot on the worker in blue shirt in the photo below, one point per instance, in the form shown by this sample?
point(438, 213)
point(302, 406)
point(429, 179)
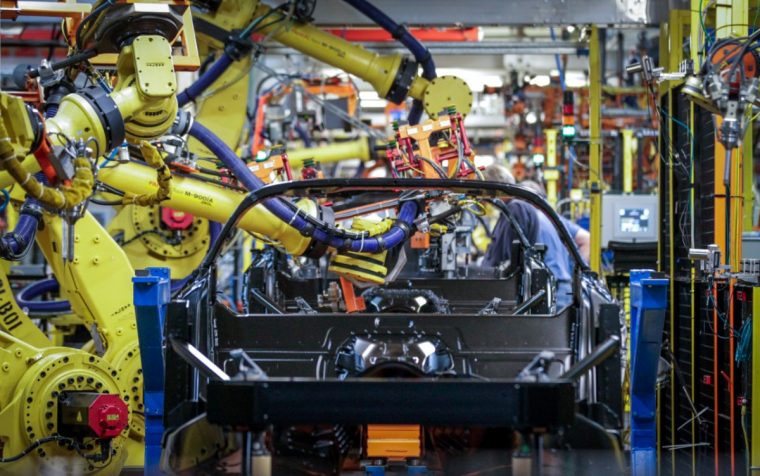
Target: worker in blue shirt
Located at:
point(537, 229)
point(581, 237)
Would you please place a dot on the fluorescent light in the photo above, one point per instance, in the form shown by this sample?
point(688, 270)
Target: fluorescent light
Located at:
point(374, 103)
point(575, 79)
point(541, 80)
point(484, 160)
point(368, 95)
point(475, 79)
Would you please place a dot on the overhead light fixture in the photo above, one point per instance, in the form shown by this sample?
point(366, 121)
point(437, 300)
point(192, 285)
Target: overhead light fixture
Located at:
point(541, 80)
point(374, 103)
point(575, 79)
point(475, 79)
point(368, 95)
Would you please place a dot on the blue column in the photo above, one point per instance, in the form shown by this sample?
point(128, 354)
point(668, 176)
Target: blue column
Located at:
point(151, 296)
point(649, 298)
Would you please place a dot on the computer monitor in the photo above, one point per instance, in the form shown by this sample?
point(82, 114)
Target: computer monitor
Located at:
point(629, 218)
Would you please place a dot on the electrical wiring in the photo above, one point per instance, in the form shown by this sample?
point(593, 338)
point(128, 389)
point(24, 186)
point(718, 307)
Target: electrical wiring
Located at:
point(255, 54)
point(253, 26)
point(97, 146)
point(738, 60)
point(474, 168)
point(89, 18)
point(688, 173)
point(744, 347)
point(73, 445)
point(106, 203)
point(441, 173)
point(103, 187)
point(479, 209)
point(289, 80)
point(110, 157)
point(702, 14)
point(713, 306)
point(6, 199)
point(171, 241)
point(32, 447)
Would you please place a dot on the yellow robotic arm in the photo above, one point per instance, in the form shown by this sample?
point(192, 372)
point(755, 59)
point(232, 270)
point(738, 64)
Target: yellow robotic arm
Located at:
point(392, 76)
point(361, 148)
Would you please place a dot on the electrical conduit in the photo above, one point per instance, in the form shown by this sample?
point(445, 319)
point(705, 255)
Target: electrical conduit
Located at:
point(393, 237)
point(418, 50)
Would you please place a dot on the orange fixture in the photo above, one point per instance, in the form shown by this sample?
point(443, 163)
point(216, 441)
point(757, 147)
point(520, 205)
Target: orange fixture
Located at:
point(395, 442)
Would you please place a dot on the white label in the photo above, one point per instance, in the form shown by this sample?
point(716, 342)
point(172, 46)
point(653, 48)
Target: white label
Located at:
point(427, 127)
point(151, 8)
point(445, 123)
point(412, 130)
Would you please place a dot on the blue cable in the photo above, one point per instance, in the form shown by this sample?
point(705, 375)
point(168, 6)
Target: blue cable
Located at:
point(110, 157)
point(744, 349)
point(559, 63)
point(665, 114)
point(6, 200)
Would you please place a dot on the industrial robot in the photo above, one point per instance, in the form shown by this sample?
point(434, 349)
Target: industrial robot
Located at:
point(61, 402)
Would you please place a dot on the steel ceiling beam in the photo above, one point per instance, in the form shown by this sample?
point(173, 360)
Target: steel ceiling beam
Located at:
point(504, 12)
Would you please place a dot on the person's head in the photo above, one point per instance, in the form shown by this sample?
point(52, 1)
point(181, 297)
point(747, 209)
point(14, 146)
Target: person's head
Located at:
point(534, 186)
point(499, 173)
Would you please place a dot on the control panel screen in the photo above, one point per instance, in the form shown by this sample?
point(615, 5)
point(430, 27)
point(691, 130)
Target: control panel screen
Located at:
point(634, 220)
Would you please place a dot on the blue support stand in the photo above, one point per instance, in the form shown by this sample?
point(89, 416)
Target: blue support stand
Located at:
point(374, 470)
point(649, 298)
point(152, 293)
